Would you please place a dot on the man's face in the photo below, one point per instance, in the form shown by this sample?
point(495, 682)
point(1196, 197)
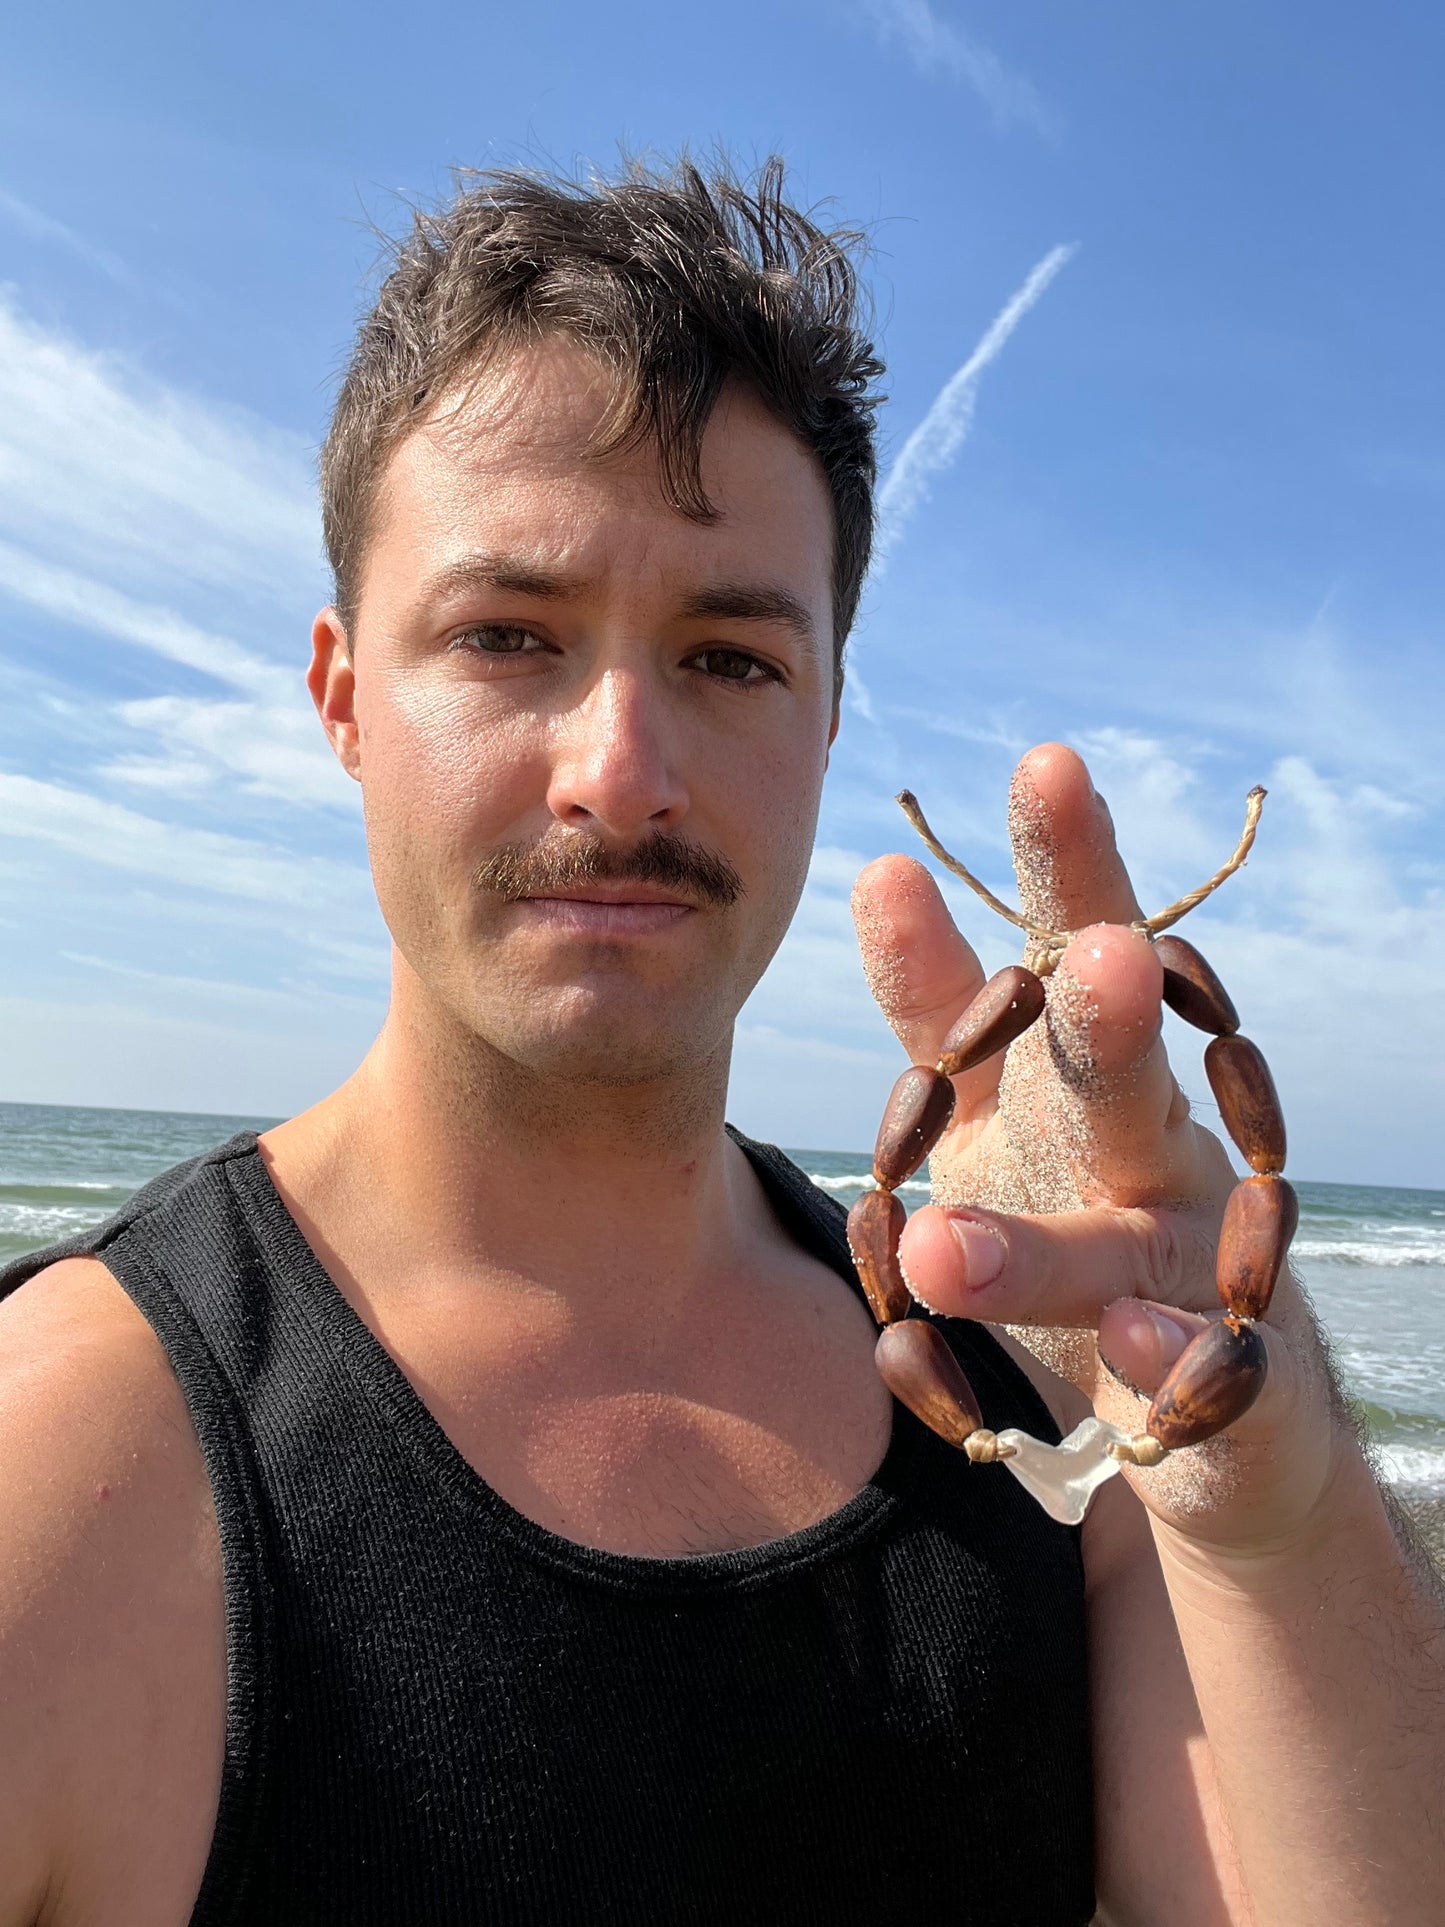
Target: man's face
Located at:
point(591, 734)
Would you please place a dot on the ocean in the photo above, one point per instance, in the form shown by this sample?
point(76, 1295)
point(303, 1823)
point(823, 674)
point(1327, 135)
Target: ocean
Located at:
point(1373, 1257)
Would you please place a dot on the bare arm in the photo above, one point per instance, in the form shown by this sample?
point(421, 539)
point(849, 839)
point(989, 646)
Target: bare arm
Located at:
point(1314, 1640)
point(1164, 1847)
point(112, 1662)
point(1319, 1666)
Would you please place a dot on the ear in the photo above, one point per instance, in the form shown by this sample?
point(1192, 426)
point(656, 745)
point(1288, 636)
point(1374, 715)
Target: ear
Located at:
point(332, 682)
point(833, 726)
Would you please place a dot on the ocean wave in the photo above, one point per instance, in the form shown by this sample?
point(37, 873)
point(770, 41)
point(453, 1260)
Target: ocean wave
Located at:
point(1378, 1245)
point(1413, 1465)
point(1377, 1252)
point(851, 1181)
point(84, 1197)
point(41, 1224)
point(1384, 1247)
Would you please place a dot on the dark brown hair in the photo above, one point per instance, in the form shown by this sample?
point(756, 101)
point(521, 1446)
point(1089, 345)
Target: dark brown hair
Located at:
point(679, 280)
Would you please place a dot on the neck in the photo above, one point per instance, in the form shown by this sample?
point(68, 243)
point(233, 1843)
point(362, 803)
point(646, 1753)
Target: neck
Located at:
point(477, 1167)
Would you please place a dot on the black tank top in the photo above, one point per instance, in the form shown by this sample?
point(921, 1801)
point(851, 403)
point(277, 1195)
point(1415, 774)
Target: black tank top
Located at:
point(440, 1714)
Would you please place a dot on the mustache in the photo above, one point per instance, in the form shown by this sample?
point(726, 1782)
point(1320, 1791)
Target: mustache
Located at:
point(576, 857)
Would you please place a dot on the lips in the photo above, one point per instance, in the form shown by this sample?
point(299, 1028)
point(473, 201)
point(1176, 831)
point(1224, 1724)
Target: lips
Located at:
point(621, 892)
point(632, 915)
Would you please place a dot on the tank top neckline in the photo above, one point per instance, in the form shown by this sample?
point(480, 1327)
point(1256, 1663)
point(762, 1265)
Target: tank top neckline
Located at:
point(411, 1423)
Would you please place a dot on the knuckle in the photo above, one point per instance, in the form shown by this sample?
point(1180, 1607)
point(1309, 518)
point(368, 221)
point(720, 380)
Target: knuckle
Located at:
point(1165, 1254)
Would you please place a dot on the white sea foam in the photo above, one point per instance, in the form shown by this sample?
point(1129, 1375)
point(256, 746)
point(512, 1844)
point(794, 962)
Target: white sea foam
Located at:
point(853, 1182)
point(1407, 1380)
point(1379, 1250)
point(1413, 1465)
point(41, 1223)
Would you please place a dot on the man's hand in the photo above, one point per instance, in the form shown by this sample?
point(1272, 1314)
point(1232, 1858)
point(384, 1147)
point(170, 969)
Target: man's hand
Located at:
point(1075, 1198)
point(1077, 1201)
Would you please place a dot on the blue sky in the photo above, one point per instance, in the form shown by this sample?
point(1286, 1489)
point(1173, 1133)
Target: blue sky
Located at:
point(1185, 513)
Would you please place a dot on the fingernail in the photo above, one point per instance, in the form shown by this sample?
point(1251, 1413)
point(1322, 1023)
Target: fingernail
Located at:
point(981, 1249)
point(1167, 1336)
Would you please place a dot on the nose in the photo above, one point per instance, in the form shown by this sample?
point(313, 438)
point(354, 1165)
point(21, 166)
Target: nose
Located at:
point(615, 769)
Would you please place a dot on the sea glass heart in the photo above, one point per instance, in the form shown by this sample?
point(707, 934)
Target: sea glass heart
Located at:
point(1065, 1477)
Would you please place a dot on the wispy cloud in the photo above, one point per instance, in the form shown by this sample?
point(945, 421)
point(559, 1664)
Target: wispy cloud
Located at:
point(124, 506)
point(84, 603)
point(160, 493)
point(1312, 938)
point(269, 749)
point(39, 226)
point(936, 47)
point(177, 842)
point(119, 839)
point(945, 428)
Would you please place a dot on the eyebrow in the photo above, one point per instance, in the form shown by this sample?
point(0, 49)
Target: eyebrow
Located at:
point(512, 574)
point(722, 601)
point(753, 602)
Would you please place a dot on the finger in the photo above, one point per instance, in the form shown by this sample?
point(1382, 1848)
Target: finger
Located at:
point(1063, 1269)
point(1069, 869)
point(1106, 1010)
point(1120, 1118)
point(1140, 1344)
point(1285, 1434)
point(1093, 1085)
point(918, 966)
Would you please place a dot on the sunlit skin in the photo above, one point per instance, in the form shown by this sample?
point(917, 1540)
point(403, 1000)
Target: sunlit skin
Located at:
point(1094, 1107)
point(525, 664)
point(526, 1189)
point(1283, 1581)
point(526, 1192)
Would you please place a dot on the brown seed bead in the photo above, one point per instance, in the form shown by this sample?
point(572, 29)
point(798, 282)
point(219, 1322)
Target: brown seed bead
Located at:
point(875, 1225)
point(917, 1365)
point(913, 1119)
point(1008, 1003)
point(1216, 1381)
point(1247, 1100)
point(1259, 1221)
point(1192, 990)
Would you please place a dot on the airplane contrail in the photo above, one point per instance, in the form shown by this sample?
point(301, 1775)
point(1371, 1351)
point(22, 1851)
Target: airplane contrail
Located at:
point(944, 429)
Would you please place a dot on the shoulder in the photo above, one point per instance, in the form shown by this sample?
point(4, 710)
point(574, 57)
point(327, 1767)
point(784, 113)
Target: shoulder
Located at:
point(85, 1390)
point(109, 1565)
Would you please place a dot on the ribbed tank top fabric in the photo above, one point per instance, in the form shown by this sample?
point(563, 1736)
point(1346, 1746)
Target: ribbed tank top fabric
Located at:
point(441, 1714)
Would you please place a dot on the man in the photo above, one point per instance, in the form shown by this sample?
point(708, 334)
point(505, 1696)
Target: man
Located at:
point(476, 1501)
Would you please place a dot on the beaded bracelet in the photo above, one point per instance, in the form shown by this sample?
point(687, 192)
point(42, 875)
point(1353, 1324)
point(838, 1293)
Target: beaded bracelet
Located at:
point(1222, 1371)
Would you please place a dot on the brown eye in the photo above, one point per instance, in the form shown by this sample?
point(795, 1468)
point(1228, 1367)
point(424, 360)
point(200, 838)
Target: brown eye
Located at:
point(735, 666)
point(498, 639)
